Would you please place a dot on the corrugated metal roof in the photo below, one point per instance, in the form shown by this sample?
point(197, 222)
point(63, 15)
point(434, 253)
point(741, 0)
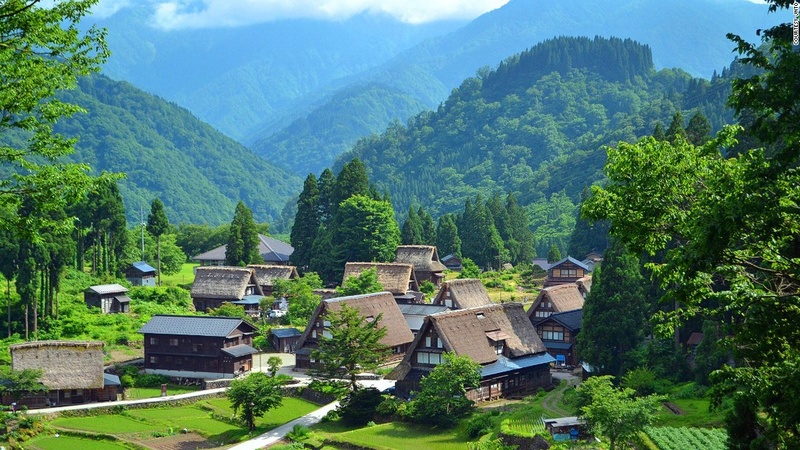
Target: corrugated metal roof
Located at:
point(193, 325)
point(420, 309)
point(286, 332)
point(143, 267)
point(504, 364)
point(239, 350)
point(107, 289)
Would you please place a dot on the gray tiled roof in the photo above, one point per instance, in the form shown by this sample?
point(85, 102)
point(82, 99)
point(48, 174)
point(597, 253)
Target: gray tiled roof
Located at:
point(504, 364)
point(192, 325)
point(570, 319)
point(239, 350)
point(286, 332)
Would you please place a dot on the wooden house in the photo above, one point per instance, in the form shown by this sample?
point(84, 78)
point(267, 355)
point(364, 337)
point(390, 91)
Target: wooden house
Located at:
point(558, 333)
point(452, 262)
point(555, 299)
point(425, 260)
point(272, 251)
point(110, 298)
point(584, 285)
point(567, 271)
point(284, 340)
point(216, 285)
point(266, 274)
point(398, 335)
point(500, 338)
point(397, 278)
point(198, 346)
point(72, 371)
point(462, 294)
point(141, 274)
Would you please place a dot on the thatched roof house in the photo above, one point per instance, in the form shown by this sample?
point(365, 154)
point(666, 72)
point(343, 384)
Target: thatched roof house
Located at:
point(271, 250)
point(498, 337)
point(398, 335)
point(555, 299)
point(425, 259)
point(68, 367)
point(462, 294)
point(397, 278)
point(584, 285)
point(214, 285)
point(266, 274)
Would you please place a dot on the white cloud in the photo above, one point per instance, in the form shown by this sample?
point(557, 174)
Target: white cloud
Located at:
point(105, 8)
point(176, 14)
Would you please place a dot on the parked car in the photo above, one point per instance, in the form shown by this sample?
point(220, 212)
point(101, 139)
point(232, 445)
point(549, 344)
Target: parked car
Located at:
point(276, 313)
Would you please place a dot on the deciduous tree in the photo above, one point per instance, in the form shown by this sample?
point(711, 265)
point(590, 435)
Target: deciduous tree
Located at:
point(442, 397)
point(254, 395)
point(365, 283)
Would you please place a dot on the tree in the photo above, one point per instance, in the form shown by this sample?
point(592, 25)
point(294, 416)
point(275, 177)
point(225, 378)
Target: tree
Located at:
point(157, 226)
point(21, 382)
point(676, 129)
point(442, 397)
point(242, 246)
point(411, 233)
point(300, 294)
point(365, 283)
point(554, 254)
point(228, 310)
point(615, 313)
point(698, 132)
point(520, 237)
point(469, 269)
point(351, 180)
point(428, 236)
point(254, 395)
point(43, 52)
point(447, 239)
point(274, 364)
point(615, 413)
point(306, 223)
point(354, 345)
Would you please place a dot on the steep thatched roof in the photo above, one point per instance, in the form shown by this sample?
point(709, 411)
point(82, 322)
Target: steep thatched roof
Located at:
point(220, 282)
point(266, 274)
point(396, 278)
point(463, 293)
point(64, 364)
point(368, 305)
point(564, 297)
point(584, 285)
point(422, 257)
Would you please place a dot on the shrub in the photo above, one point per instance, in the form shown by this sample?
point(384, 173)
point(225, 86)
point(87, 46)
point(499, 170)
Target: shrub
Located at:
point(150, 380)
point(331, 416)
point(358, 408)
point(478, 425)
point(388, 407)
point(298, 433)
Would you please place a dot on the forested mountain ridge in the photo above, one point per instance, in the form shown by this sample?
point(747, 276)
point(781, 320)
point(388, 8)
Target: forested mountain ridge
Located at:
point(428, 72)
point(166, 152)
point(536, 126)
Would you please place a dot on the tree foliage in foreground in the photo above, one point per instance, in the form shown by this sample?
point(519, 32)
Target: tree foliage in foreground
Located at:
point(254, 395)
point(352, 345)
point(442, 397)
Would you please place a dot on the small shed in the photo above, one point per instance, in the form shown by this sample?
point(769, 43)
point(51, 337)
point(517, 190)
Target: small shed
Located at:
point(141, 274)
point(452, 262)
point(110, 298)
point(284, 340)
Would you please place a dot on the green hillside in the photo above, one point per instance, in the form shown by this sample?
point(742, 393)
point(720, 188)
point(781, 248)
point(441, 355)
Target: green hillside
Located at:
point(198, 173)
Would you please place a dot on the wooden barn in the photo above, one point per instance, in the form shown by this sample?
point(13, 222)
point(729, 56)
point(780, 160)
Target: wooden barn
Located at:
point(462, 294)
point(555, 299)
point(425, 260)
point(452, 262)
point(266, 274)
point(215, 285)
point(514, 361)
point(567, 271)
point(72, 372)
point(398, 335)
point(110, 298)
point(141, 274)
point(559, 334)
point(284, 340)
point(198, 346)
point(397, 278)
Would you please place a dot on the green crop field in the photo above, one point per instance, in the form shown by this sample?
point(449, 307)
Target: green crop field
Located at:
point(74, 443)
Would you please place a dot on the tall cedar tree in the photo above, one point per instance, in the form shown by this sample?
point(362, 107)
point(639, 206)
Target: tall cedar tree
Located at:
point(428, 227)
point(351, 345)
point(242, 246)
point(698, 131)
point(519, 231)
point(615, 313)
point(554, 254)
point(352, 180)
point(588, 236)
point(480, 240)
point(157, 225)
point(306, 223)
point(676, 129)
point(9, 264)
point(411, 233)
point(447, 239)
point(327, 182)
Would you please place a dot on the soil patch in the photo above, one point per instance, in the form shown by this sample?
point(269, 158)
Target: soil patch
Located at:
point(673, 408)
point(188, 441)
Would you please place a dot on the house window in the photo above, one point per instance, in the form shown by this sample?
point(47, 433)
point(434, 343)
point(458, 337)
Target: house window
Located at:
point(154, 360)
point(197, 348)
point(428, 341)
point(553, 335)
point(173, 342)
point(543, 313)
point(153, 341)
point(314, 334)
point(498, 347)
point(327, 334)
point(429, 358)
point(569, 272)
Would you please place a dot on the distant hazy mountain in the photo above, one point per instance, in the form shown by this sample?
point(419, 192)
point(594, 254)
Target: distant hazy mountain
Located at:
point(196, 171)
point(689, 34)
point(237, 79)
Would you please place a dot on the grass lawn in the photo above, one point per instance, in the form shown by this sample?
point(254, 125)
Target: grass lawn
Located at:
point(144, 392)
point(107, 424)
point(695, 414)
point(74, 443)
point(395, 435)
point(183, 278)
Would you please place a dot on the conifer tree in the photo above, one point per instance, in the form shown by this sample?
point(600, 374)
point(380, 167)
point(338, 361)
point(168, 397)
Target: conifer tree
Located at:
point(554, 254)
point(411, 233)
point(352, 180)
point(521, 248)
point(658, 133)
point(428, 236)
point(157, 226)
point(699, 129)
point(676, 128)
point(447, 239)
point(327, 182)
point(306, 222)
point(242, 246)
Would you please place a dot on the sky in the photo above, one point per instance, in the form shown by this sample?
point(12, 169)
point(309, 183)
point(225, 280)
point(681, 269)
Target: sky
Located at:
point(179, 14)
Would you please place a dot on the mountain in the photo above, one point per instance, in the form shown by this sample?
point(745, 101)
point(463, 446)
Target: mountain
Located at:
point(238, 78)
point(689, 34)
point(537, 126)
point(166, 152)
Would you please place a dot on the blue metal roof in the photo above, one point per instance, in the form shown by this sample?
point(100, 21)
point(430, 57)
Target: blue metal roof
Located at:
point(111, 380)
point(286, 332)
point(557, 345)
point(249, 300)
point(143, 267)
point(504, 364)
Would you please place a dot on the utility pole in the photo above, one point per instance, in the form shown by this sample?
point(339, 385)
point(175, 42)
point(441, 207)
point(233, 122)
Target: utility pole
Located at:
point(141, 222)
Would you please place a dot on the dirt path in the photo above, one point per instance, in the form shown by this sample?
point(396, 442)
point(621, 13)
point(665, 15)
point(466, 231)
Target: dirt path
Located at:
point(550, 403)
